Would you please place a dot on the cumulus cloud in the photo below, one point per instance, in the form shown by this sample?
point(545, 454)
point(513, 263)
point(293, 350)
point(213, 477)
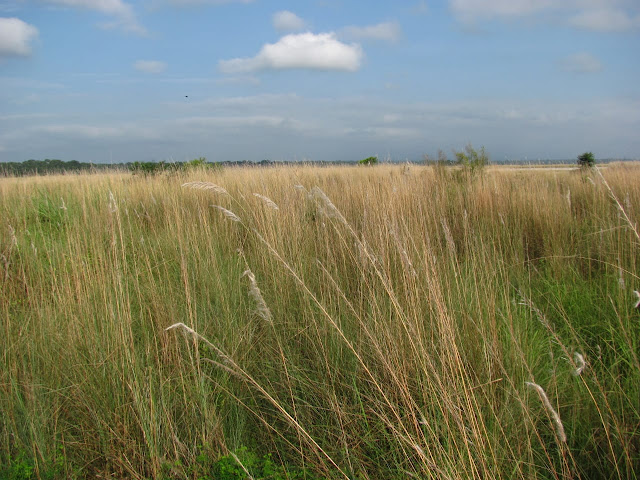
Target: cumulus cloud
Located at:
point(321, 51)
point(150, 66)
point(387, 31)
point(286, 21)
point(122, 13)
point(581, 63)
point(16, 37)
point(605, 20)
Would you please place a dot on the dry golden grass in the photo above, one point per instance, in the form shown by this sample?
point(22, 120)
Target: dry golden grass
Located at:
point(380, 323)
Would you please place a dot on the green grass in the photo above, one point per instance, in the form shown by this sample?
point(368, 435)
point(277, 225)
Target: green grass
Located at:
point(392, 321)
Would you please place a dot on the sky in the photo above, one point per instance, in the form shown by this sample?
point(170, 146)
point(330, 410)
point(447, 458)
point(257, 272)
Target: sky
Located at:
point(152, 80)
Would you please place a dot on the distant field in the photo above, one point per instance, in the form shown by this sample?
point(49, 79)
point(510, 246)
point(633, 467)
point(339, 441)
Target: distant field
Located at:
point(386, 322)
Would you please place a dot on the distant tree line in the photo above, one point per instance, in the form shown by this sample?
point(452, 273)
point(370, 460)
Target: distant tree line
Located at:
point(53, 166)
point(48, 166)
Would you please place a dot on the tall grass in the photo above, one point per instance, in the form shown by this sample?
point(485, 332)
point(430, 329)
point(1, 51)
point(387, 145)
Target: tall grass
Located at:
point(365, 323)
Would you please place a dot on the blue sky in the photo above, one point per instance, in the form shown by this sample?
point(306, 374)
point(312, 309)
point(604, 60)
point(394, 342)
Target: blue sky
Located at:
point(151, 80)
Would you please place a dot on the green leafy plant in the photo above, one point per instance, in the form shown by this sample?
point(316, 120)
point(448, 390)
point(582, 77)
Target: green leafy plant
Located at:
point(243, 464)
point(368, 161)
point(197, 162)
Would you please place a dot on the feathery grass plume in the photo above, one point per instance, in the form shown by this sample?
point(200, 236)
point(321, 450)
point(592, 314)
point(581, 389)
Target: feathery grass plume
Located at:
point(326, 206)
point(447, 235)
point(113, 204)
point(270, 203)
point(578, 359)
point(403, 253)
point(228, 213)
point(205, 186)
point(554, 415)
point(184, 328)
point(637, 305)
point(261, 306)
point(12, 234)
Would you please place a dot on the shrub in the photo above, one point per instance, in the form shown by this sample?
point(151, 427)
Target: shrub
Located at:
point(368, 161)
point(586, 160)
point(471, 159)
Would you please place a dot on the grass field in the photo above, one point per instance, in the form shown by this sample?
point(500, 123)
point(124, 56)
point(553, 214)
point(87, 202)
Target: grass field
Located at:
point(383, 322)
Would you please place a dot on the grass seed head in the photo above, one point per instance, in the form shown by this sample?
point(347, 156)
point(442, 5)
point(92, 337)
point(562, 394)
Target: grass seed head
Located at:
point(262, 310)
point(578, 359)
point(268, 202)
point(206, 186)
point(228, 213)
point(554, 415)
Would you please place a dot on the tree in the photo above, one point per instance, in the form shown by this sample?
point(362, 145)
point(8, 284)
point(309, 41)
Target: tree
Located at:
point(587, 160)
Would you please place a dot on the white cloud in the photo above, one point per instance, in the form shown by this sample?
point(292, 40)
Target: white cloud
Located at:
point(293, 126)
point(286, 21)
point(388, 31)
point(232, 121)
point(596, 15)
point(150, 66)
point(469, 10)
point(16, 37)
point(93, 132)
point(605, 20)
point(300, 51)
point(581, 63)
point(123, 14)
point(420, 8)
point(185, 3)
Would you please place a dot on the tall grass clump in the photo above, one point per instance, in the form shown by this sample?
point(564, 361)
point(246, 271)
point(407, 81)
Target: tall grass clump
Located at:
point(307, 322)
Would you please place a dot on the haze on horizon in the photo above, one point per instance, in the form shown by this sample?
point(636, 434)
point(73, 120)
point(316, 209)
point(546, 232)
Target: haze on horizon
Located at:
point(151, 80)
